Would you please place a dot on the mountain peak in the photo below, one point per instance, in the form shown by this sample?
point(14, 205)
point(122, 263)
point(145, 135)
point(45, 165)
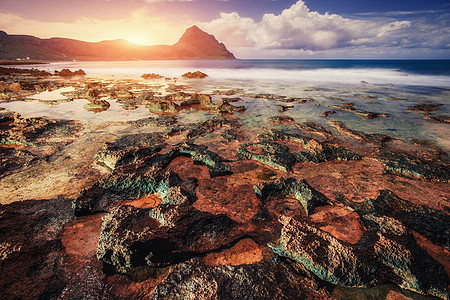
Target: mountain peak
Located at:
point(198, 40)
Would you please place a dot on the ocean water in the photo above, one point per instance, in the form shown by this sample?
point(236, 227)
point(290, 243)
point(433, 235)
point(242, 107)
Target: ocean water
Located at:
point(405, 72)
point(369, 84)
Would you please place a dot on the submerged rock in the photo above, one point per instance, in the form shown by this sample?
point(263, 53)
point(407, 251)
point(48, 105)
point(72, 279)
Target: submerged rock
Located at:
point(424, 109)
point(371, 138)
point(161, 121)
point(327, 113)
point(283, 108)
point(438, 119)
point(224, 107)
point(366, 114)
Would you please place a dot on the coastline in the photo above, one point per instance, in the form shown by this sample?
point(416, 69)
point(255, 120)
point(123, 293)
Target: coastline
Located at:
point(247, 172)
point(8, 62)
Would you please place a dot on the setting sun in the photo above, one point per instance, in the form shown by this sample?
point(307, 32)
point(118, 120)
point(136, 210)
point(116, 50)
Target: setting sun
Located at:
point(139, 40)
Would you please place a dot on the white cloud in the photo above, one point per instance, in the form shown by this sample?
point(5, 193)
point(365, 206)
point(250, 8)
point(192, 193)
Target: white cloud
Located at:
point(299, 28)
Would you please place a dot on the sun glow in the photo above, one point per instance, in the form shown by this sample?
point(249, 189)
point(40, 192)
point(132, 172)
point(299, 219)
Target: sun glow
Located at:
point(139, 40)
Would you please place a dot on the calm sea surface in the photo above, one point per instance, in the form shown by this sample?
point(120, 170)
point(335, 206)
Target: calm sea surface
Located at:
point(405, 72)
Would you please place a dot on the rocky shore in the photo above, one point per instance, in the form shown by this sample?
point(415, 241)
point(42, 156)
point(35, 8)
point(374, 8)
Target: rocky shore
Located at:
point(198, 200)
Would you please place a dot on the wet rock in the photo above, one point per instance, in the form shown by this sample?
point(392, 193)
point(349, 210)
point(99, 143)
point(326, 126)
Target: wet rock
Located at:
point(224, 107)
point(366, 114)
point(200, 155)
point(283, 108)
point(308, 127)
point(161, 121)
point(413, 166)
point(162, 105)
point(424, 109)
point(291, 188)
point(201, 99)
point(143, 176)
point(371, 138)
point(438, 119)
point(396, 99)
point(327, 113)
point(31, 252)
point(13, 87)
point(269, 153)
point(428, 222)
point(208, 126)
point(194, 75)
point(97, 105)
point(161, 236)
point(276, 155)
point(269, 279)
point(11, 160)
point(280, 98)
point(16, 71)
point(23, 131)
point(129, 149)
point(128, 106)
point(128, 185)
point(311, 127)
point(152, 76)
point(321, 254)
point(228, 92)
point(232, 134)
point(276, 120)
point(68, 73)
point(429, 144)
point(387, 253)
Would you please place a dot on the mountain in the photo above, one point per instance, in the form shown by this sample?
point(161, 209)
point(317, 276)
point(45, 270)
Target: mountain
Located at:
point(194, 44)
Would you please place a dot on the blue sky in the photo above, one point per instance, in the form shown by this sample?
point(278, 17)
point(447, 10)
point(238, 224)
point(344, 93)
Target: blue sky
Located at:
point(250, 28)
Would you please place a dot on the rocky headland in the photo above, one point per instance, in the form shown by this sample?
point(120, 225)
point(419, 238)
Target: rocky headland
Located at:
point(193, 44)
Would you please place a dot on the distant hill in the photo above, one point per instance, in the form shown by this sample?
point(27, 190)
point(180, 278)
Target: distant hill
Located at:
point(194, 44)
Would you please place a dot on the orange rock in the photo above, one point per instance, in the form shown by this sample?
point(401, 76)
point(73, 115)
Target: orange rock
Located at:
point(80, 236)
point(340, 222)
point(148, 201)
point(245, 252)
point(15, 87)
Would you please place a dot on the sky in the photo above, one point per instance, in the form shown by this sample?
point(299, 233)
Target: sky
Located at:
point(409, 29)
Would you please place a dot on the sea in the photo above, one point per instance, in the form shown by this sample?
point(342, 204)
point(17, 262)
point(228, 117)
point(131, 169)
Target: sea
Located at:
point(384, 86)
point(405, 72)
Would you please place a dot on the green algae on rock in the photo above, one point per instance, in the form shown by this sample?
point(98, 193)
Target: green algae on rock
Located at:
point(412, 166)
point(291, 188)
point(431, 223)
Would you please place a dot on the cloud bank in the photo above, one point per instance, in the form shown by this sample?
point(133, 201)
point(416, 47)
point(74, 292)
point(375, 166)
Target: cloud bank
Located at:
point(298, 28)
